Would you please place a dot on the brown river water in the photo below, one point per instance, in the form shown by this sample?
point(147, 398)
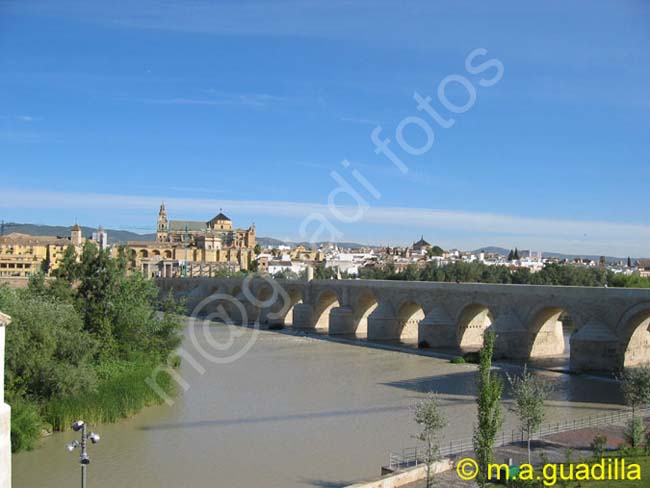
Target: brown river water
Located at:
point(287, 412)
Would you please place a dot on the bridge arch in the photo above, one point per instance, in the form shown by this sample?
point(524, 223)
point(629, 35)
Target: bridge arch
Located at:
point(634, 336)
point(472, 322)
point(281, 311)
point(546, 330)
point(365, 304)
point(409, 315)
point(324, 303)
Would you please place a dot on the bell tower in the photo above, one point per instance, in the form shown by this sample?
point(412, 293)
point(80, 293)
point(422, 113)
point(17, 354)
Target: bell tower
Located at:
point(161, 232)
point(75, 235)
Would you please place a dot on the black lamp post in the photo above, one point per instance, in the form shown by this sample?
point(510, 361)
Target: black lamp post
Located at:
point(84, 460)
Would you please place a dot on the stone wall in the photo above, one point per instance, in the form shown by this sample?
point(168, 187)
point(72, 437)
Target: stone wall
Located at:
point(405, 477)
point(5, 414)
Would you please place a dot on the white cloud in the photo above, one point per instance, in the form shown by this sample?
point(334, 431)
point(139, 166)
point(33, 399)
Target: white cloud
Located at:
point(460, 228)
point(246, 99)
point(359, 120)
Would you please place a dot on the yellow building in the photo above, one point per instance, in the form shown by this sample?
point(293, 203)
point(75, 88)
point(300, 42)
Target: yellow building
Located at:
point(194, 248)
point(301, 253)
point(22, 255)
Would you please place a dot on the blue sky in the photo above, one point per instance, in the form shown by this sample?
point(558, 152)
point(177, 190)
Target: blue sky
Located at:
point(107, 108)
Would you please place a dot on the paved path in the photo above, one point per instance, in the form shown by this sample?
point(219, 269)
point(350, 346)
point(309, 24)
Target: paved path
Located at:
point(554, 447)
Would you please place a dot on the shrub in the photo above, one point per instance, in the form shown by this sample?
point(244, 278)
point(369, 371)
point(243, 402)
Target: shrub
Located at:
point(598, 446)
point(423, 345)
point(48, 352)
point(458, 360)
point(26, 424)
point(634, 431)
point(471, 357)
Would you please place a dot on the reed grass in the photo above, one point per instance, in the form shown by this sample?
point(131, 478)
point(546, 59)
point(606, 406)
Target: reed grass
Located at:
point(120, 393)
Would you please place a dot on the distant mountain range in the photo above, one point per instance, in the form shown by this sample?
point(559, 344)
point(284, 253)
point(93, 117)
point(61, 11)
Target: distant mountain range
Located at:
point(117, 236)
point(114, 236)
point(504, 252)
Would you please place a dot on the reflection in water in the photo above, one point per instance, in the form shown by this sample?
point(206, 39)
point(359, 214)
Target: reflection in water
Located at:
point(292, 412)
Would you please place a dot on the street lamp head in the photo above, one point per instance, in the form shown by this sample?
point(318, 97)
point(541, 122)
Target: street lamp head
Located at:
point(84, 459)
point(78, 425)
point(94, 438)
point(71, 446)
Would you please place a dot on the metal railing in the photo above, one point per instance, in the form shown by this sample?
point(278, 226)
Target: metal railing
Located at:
point(412, 456)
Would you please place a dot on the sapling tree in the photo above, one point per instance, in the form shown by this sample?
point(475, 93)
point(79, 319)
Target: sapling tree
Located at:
point(529, 393)
point(635, 384)
point(489, 390)
point(429, 417)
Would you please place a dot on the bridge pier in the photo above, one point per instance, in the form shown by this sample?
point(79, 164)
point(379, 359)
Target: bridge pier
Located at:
point(342, 321)
point(437, 329)
point(511, 336)
point(303, 317)
point(383, 324)
point(593, 348)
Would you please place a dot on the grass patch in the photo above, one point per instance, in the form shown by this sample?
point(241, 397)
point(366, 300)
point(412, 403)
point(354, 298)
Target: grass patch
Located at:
point(642, 460)
point(120, 393)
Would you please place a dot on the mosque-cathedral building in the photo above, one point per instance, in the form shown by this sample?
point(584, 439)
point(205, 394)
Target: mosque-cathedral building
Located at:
point(194, 248)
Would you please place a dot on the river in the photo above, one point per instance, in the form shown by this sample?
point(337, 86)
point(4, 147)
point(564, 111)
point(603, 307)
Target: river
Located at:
point(289, 412)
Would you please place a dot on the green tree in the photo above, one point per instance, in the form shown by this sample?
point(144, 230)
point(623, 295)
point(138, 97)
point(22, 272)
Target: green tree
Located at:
point(69, 268)
point(489, 390)
point(428, 415)
point(257, 249)
point(635, 385)
point(530, 393)
point(411, 273)
point(435, 251)
point(321, 272)
point(48, 352)
point(84, 345)
point(96, 294)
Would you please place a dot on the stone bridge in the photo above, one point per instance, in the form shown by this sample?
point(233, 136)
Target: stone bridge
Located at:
point(610, 325)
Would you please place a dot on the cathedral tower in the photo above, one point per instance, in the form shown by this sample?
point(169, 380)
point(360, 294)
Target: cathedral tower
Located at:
point(161, 232)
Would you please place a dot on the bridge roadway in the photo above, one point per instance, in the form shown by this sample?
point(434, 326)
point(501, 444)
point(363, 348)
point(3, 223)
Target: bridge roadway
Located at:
point(611, 324)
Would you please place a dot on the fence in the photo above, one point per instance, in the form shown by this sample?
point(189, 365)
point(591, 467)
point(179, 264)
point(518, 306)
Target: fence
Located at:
point(412, 456)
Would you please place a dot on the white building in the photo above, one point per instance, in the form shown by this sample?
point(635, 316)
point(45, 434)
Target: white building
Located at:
point(101, 237)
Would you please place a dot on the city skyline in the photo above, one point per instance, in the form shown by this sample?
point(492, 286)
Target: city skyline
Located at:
point(199, 209)
point(553, 156)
